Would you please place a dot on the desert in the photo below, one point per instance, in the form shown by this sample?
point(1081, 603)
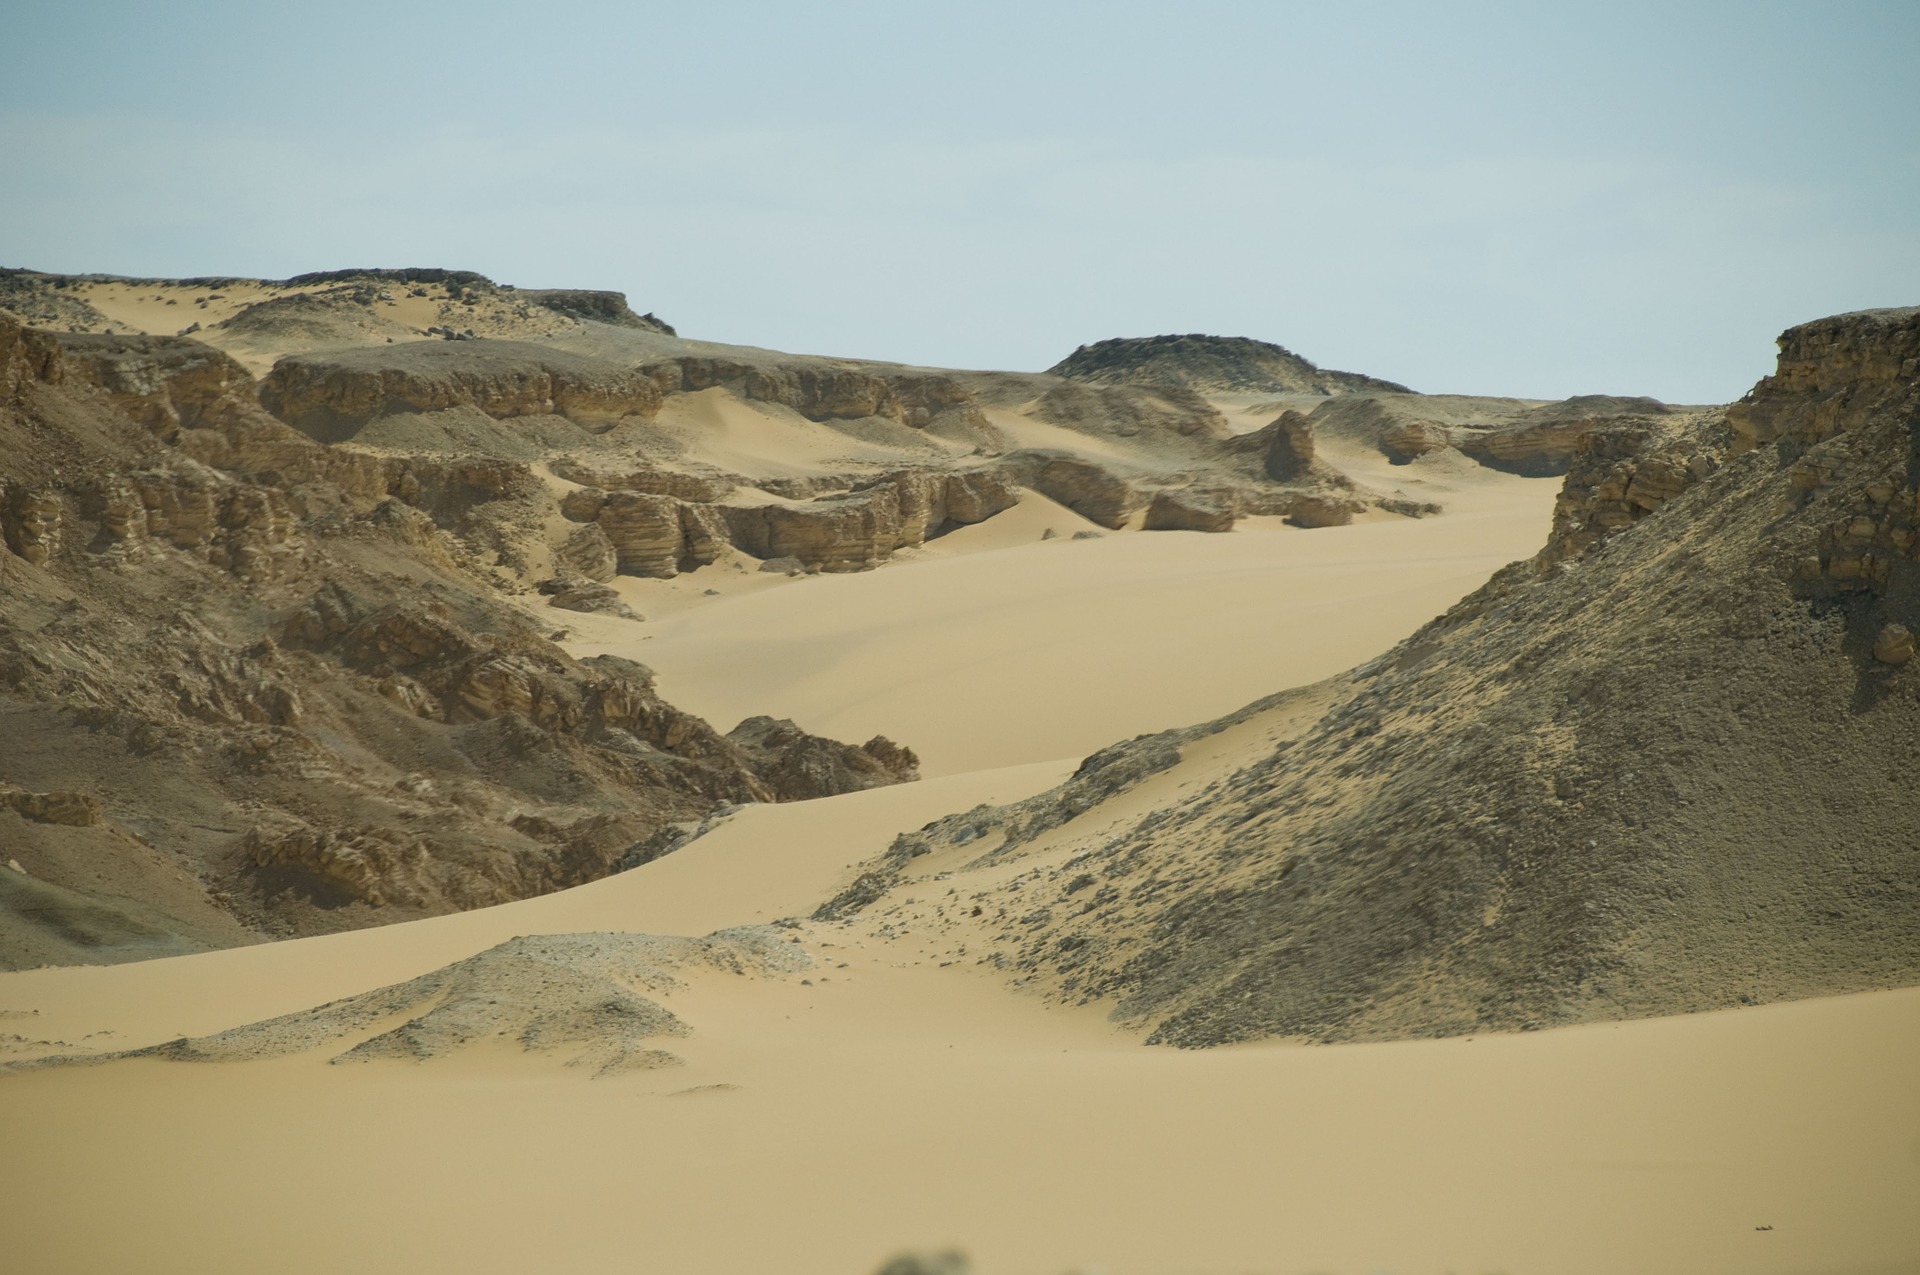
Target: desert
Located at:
point(502, 777)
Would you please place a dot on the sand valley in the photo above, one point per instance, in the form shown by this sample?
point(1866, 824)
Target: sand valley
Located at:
point(488, 783)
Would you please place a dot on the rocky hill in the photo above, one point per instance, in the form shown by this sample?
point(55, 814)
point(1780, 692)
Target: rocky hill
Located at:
point(1232, 364)
point(1665, 766)
point(254, 685)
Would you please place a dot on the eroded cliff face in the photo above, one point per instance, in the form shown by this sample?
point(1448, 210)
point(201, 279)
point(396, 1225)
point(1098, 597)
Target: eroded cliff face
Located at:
point(283, 680)
point(331, 397)
point(1667, 766)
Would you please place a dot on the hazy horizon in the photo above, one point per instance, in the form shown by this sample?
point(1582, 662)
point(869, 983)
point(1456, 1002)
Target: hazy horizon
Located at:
point(1484, 199)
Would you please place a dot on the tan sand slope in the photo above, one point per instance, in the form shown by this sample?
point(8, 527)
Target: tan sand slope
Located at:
point(894, 1103)
point(1055, 648)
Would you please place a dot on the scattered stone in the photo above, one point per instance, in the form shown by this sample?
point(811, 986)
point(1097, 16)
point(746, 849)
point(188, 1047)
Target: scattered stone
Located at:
point(947, 1262)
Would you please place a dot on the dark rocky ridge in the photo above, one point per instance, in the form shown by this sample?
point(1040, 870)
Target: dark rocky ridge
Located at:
point(1233, 364)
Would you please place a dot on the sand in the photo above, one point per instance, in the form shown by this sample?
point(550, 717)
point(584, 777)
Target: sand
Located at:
point(892, 1104)
point(885, 1100)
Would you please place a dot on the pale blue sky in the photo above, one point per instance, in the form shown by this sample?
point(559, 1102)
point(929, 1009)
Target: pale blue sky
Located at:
point(1497, 198)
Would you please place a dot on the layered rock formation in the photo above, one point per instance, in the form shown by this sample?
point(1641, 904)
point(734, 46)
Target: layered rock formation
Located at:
point(825, 391)
point(660, 535)
point(331, 397)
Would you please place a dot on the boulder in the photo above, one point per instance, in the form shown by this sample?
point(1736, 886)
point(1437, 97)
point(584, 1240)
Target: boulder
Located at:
point(1188, 511)
point(1318, 509)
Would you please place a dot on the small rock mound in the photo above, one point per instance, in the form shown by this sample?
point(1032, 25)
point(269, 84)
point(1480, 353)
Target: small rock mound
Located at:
point(578, 994)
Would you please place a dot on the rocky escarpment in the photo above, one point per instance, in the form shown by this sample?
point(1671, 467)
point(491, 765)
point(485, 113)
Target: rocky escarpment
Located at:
point(1666, 767)
point(1211, 363)
point(284, 676)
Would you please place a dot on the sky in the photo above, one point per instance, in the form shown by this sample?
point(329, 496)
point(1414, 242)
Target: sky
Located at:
point(1528, 199)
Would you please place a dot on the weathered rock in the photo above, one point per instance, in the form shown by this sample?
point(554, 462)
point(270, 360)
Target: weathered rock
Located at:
point(1321, 509)
point(333, 866)
point(975, 495)
point(645, 533)
point(840, 533)
point(1621, 472)
point(165, 383)
point(594, 306)
point(332, 396)
point(1406, 440)
point(71, 808)
point(587, 554)
point(1537, 449)
point(1188, 511)
point(30, 522)
point(1290, 451)
point(800, 766)
point(589, 596)
point(1082, 486)
point(1830, 372)
point(784, 566)
point(824, 392)
point(1893, 645)
point(703, 488)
